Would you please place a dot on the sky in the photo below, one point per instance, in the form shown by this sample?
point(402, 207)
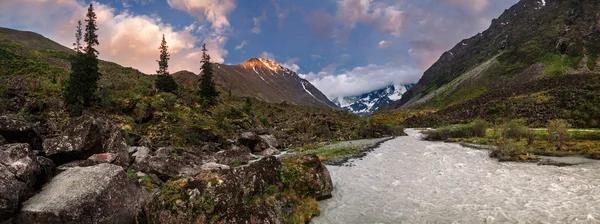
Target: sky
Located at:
point(343, 47)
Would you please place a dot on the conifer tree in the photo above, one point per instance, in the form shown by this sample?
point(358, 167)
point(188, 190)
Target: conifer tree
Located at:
point(83, 80)
point(164, 82)
point(208, 91)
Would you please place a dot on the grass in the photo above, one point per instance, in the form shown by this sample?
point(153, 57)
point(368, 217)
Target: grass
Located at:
point(581, 142)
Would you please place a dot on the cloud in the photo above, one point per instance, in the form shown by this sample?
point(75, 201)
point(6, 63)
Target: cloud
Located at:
point(388, 18)
point(267, 55)
point(291, 64)
point(472, 6)
point(361, 80)
point(385, 44)
point(257, 20)
point(241, 46)
point(213, 11)
point(128, 39)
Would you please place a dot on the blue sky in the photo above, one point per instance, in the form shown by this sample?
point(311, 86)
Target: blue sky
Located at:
point(343, 47)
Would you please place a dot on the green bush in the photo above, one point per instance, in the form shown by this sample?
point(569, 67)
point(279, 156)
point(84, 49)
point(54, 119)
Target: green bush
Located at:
point(558, 132)
point(452, 131)
point(480, 127)
point(516, 129)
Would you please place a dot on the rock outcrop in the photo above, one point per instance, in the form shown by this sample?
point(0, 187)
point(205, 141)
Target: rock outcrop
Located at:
point(95, 194)
point(86, 136)
point(20, 172)
point(264, 191)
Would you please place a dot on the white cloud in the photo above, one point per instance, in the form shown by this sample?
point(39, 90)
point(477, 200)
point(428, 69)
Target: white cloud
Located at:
point(388, 18)
point(241, 46)
point(361, 80)
point(214, 11)
point(384, 44)
point(128, 39)
point(473, 6)
point(267, 55)
point(257, 20)
point(291, 64)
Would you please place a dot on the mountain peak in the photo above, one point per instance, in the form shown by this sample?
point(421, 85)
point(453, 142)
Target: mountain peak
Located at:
point(262, 63)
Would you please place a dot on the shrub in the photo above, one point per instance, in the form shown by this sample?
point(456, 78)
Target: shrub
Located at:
point(516, 129)
point(452, 131)
point(480, 127)
point(558, 132)
point(512, 152)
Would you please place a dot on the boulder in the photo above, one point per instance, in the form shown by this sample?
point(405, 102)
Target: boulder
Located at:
point(250, 140)
point(19, 171)
point(141, 154)
point(15, 129)
point(235, 155)
point(96, 194)
point(214, 166)
point(171, 162)
point(270, 152)
point(11, 193)
point(104, 157)
point(86, 136)
point(316, 176)
point(268, 141)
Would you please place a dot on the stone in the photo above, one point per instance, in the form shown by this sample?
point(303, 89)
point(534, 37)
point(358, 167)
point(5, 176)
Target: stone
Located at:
point(250, 140)
point(86, 136)
point(141, 154)
point(96, 194)
point(170, 162)
point(270, 152)
point(15, 129)
point(269, 141)
point(214, 166)
point(234, 155)
point(104, 157)
point(317, 176)
point(19, 171)
point(2, 140)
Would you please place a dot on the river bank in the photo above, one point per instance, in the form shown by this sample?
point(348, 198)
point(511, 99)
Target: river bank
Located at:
point(338, 154)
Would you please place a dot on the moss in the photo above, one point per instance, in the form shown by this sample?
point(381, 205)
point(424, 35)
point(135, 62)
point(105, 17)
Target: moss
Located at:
point(172, 192)
point(305, 209)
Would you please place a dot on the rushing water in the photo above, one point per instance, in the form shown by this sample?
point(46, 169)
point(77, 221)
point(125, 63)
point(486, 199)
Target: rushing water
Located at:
point(407, 180)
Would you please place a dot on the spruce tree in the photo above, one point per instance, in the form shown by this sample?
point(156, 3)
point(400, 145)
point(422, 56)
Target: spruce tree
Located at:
point(164, 82)
point(208, 91)
point(83, 80)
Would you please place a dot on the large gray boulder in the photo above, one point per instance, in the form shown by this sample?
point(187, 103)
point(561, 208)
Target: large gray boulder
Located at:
point(96, 194)
point(86, 136)
point(15, 129)
point(19, 172)
point(250, 140)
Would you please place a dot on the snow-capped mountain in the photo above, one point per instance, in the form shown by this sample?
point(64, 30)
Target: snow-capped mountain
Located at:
point(368, 103)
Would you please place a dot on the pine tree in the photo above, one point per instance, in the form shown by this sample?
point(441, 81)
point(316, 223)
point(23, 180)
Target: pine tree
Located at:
point(208, 91)
point(78, 36)
point(83, 80)
point(164, 82)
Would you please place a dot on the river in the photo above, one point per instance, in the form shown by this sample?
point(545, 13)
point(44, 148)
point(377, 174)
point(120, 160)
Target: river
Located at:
point(407, 180)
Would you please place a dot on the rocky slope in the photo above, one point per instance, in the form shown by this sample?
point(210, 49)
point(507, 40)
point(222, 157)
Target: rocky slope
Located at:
point(264, 80)
point(368, 103)
point(493, 73)
point(139, 155)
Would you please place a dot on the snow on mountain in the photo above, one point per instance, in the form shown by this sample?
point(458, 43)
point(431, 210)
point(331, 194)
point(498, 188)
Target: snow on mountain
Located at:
point(368, 103)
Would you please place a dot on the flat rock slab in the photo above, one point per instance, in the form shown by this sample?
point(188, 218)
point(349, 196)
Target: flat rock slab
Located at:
point(96, 194)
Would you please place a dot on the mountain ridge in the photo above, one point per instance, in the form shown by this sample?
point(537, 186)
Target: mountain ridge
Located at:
point(531, 43)
point(368, 103)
